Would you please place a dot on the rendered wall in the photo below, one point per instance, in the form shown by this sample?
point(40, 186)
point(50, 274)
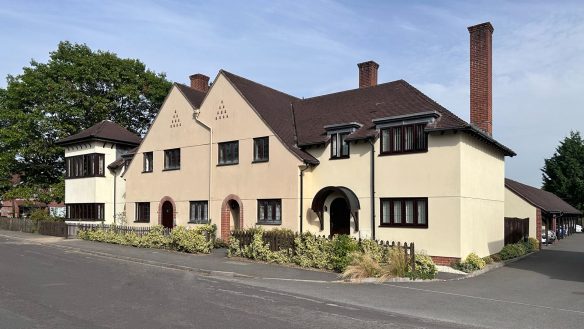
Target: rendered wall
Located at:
point(483, 198)
point(515, 206)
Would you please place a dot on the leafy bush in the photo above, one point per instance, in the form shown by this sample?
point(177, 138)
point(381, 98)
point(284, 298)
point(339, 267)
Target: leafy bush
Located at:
point(496, 258)
point(532, 245)
point(513, 251)
point(196, 240)
point(341, 248)
point(424, 269)
point(312, 251)
point(488, 260)
point(471, 263)
point(374, 250)
point(43, 215)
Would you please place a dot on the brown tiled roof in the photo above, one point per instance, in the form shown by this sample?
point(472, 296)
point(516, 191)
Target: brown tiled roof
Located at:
point(364, 105)
point(274, 107)
point(105, 130)
point(194, 97)
point(301, 122)
point(544, 200)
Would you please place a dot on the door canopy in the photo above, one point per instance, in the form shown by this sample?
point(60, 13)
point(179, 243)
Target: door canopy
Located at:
point(347, 194)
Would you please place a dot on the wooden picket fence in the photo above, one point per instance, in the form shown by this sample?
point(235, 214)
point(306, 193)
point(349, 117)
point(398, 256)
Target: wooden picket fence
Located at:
point(285, 240)
point(31, 226)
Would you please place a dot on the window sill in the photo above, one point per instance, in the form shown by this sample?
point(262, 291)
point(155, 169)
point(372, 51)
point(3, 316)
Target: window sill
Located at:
point(260, 161)
point(198, 222)
point(269, 223)
point(402, 226)
point(227, 164)
point(97, 176)
point(401, 153)
point(339, 158)
point(170, 169)
point(142, 221)
point(147, 172)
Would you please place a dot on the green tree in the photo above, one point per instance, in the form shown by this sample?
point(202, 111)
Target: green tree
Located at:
point(563, 173)
point(75, 89)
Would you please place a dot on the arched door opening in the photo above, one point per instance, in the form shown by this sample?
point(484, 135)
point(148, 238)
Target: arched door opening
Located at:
point(167, 218)
point(340, 215)
point(234, 223)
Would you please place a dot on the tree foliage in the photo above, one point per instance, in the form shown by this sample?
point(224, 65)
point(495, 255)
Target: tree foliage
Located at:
point(563, 173)
point(75, 89)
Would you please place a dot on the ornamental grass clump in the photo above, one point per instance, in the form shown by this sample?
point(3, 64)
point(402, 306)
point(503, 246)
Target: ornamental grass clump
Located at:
point(364, 265)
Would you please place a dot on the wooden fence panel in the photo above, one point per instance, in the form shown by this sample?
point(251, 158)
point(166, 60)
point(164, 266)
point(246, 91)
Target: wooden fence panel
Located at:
point(516, 230)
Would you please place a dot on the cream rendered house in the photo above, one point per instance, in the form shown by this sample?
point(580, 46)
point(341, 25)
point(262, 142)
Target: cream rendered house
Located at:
point(94, 163)
point(381, 161)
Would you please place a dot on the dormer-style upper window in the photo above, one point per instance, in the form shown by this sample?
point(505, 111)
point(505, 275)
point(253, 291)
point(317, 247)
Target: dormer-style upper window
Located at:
point(261, 149)
point(338, 134)
point(404, 139)
point(339, 146)
point(172, 159)
point(86, 165)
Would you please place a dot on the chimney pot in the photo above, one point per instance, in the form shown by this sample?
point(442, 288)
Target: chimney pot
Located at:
point(481, 76)
point(200, 82)
point(368, 74)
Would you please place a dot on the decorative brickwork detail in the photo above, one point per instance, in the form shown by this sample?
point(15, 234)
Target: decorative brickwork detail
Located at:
point(445, 261)
point(481, 77)
point(538, 223)
point(162, 201)
point(200, 82)
point(368, 74)
point(226, 215)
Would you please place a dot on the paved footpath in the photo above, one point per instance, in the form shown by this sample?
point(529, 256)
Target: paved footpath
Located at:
point(544, 290)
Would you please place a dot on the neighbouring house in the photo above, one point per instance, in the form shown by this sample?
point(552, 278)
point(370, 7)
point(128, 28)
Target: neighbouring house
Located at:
point(544, 209)
point(17, 208)
point(382, 161)
point(94, 164)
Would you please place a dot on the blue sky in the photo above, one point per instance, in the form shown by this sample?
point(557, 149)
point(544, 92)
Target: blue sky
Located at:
point(307, 48)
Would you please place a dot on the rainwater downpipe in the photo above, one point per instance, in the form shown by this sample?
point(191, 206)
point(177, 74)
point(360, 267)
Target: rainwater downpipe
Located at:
point(302, 196)
point(372, 183)
point(196, 117)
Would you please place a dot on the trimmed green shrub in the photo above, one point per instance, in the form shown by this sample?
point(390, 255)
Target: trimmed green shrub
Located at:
point(342, 247)
point(531, 245)
point(512, 251)
point(471, 263)
point(190, 241)
point(425, 268)
point(488, 260)
point(312, 251)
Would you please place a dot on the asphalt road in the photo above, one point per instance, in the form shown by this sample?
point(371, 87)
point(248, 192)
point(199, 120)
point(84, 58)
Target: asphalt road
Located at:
point(43, 286)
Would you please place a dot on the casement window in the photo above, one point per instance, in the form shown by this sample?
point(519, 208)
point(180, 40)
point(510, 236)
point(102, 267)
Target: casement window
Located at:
point(199, 213)
point(148, 158)
point(261, 149)
point(229, 153)
point(85, 211)
point(143, 212)
point(270, 211)
point(172, 159)
point(339, 146)
point(86, 165)
point(404, 212)
point(404, 139)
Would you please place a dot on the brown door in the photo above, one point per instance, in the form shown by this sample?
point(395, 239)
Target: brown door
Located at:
point(340, 217)
point(167, 215)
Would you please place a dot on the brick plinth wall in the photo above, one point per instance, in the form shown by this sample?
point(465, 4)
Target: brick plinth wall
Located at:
point(481, 81)
point(446, 261)
point(226, 215)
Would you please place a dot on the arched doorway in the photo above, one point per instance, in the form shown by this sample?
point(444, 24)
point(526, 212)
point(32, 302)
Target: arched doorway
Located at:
point(167, 217)
point(340, 217)
point(231, 215)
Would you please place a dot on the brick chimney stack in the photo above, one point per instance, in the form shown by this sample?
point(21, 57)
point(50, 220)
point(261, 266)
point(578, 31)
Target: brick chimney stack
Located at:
point(367, 74)
point(481, 76)
point(200, 82)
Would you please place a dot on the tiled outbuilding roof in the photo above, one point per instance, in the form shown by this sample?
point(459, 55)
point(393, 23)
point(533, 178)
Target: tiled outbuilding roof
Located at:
point(105, 130)
point(544, 200)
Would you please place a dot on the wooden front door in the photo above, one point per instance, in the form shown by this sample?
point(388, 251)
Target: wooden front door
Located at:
point(340, 217)
point(167, 215)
